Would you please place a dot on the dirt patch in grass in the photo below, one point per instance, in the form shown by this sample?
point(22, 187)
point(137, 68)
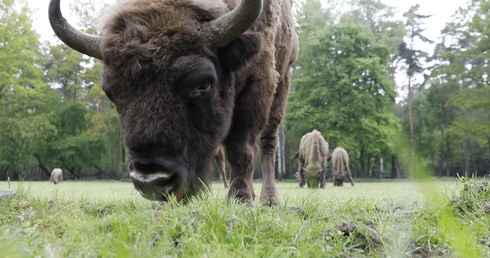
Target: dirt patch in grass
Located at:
point(361, 233)
point(363, 230)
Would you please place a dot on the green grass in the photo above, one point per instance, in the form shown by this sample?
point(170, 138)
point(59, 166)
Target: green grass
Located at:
point(372, 219)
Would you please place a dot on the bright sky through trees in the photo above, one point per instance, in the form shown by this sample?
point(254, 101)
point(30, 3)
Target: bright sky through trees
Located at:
point(441, 11)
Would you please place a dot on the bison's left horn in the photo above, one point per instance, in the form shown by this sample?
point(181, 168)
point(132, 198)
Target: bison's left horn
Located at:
point(228, 27)
point(80, 41)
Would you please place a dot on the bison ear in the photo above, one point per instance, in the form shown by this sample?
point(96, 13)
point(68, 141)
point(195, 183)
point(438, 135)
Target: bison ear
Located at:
point(236, 54)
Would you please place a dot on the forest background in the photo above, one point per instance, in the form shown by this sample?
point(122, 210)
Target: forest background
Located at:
point(364, 78)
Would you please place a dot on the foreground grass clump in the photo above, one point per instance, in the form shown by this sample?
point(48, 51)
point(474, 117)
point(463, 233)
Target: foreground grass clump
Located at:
point(370, 220)
point(471, 208)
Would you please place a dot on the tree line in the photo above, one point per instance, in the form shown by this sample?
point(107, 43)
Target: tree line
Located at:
point(346, 84)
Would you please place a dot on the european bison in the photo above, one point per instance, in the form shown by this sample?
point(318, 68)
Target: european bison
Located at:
point(188, 75)
point(312, 160)
point(340, 167)
point(56, 176)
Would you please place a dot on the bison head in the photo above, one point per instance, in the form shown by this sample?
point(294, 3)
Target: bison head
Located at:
point(170, 69)
point(312, 175)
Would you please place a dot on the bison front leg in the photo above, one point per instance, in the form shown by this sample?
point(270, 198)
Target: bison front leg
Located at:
point(268, 142)
point(349, 176)
point(240, 152)
point(301, 173)
point(323, 175)
point(268, 194)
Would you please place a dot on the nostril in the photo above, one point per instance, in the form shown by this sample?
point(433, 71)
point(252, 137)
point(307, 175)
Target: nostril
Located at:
point(155, 186)
point(149, 164)
point(166, 186)
point(148, 167)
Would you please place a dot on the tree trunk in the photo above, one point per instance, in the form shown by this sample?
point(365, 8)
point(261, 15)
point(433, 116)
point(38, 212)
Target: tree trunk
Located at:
point(448, 123)
point(41, 165)
point(448, 156)
point(16, 174)
point(488, 160)
point(466, 141)
point(381, 172)
point(393, 169)
point(283, 151)
point(361, 163)
point(122, 162)
point(368, 168)
point(118, 165)
point(466, 146)
point(3, 177)
point(440, 164)
point(280, 153)
point(410, 119)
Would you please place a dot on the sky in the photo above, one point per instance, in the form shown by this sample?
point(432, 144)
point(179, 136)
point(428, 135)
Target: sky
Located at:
point(441, 10)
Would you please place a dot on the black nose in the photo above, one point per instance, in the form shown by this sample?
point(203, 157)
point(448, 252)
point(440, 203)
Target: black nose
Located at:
point(155, 186)
point(155, 177)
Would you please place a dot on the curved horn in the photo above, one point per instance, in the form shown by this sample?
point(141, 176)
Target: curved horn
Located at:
point(80, 41)
point(231, 25)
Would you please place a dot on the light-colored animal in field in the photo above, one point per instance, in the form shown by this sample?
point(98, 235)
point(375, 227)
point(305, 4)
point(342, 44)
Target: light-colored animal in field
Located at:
point(312, 165)
point(56, 176)
point(340, 167)
point(219, 157)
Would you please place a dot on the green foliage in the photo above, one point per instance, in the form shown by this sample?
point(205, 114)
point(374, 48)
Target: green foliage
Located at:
point(453, 110)
point(470, 206)
point(474, 197)
point(343, 89)
point(376, 19)
point(22, 92)
point(52, 108)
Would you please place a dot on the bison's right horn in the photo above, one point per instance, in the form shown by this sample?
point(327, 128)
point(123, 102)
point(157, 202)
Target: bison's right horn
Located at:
point(80, 41)
point(228, 27)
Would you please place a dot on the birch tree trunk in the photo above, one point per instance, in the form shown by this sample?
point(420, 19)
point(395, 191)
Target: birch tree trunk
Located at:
point(281, 162)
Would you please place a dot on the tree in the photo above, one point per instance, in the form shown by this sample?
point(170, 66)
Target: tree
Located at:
point(462, 65)
point(413, 59)
point(343, 89)
point(377, 19)
point(78, 78)
point(24, 107)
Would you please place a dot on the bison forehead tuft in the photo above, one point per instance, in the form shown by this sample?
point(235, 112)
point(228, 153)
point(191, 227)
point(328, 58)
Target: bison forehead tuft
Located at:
point(147, 37)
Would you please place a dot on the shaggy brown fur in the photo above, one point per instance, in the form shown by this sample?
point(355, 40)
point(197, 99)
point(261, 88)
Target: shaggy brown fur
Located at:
point(179, 96)
point(56, 176)
point(340, 167)
point(312, 160)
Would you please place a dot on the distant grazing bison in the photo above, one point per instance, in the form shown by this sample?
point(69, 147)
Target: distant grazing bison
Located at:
point(187, 76)
point(312, 163)
point(340, 167)
point(56, 176)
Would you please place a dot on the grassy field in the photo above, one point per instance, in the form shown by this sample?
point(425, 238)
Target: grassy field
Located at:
point(373, 219)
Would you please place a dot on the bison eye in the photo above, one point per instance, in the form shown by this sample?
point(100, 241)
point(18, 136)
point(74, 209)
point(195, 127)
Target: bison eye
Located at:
point(203, 88)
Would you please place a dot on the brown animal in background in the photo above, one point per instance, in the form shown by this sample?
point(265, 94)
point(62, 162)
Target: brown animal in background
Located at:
point(219, 157)
point(56, 176)
point(340, 167)
point(312, 165)
point(186, 76)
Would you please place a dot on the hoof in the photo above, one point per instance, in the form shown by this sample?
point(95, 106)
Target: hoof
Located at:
point(269, 200)
point(240, 195)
